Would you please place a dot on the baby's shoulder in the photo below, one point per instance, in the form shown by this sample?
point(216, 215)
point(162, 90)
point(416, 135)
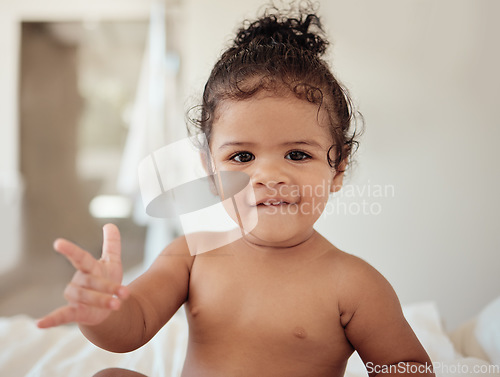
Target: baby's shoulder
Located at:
point(348, 266)
point(192, 245)
point(212, 243)
point(176, 253)
point(352, 264)
point(344, 265)
point(356, 275)
point(178, 246)
point(358, 282)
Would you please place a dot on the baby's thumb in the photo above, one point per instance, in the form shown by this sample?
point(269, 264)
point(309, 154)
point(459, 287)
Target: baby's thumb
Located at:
point(111, 247)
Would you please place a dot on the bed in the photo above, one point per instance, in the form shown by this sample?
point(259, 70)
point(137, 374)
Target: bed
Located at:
point(472, 350)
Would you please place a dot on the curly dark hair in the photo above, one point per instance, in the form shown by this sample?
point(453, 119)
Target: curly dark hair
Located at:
point(282, 52)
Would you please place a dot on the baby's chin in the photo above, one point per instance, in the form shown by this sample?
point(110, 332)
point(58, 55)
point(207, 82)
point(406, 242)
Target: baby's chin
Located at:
point(273, 239)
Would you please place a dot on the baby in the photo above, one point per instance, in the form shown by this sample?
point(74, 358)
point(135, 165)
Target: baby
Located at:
point(281, 300)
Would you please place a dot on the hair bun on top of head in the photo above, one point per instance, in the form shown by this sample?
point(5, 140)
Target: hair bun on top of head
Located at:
point(301, 29)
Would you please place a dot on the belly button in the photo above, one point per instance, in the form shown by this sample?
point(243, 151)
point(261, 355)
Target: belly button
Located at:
point(300, 332)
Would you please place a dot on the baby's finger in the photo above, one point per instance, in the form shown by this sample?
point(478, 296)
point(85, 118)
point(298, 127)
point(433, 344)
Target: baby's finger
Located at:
point(79, 258)
point(111, 247)
point(77, 295)
point(60, 316)
point(97, 283)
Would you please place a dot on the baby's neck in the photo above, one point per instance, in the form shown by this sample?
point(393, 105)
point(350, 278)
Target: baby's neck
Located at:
point(292, 246)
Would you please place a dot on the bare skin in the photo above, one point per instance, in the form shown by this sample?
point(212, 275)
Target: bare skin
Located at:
point(118, 372)
point(282, 300)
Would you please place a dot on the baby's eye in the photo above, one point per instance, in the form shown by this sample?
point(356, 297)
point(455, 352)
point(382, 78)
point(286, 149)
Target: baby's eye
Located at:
point(242, 157)
point(297, 156)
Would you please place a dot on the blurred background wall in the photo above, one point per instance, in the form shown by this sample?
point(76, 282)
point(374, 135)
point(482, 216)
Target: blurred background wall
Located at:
point(421, 203)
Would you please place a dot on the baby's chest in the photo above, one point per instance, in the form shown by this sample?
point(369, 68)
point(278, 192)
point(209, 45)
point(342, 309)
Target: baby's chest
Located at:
point(295, 310)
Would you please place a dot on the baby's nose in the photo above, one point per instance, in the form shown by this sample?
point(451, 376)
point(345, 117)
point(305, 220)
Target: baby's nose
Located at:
point(269, 174)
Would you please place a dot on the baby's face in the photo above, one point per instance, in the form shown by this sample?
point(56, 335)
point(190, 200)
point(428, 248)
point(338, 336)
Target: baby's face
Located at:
point(282, 144)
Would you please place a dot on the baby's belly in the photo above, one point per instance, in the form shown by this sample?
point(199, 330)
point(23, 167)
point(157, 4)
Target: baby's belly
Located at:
point(197, 365)
point(244, 355)
point(233, 360)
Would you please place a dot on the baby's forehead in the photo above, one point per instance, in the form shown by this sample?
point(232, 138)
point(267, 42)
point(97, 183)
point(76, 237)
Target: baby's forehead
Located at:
point(267, 105)
point(270, 119)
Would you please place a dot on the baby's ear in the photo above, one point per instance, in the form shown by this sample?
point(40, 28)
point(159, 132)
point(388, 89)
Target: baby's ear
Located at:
point(338, 178)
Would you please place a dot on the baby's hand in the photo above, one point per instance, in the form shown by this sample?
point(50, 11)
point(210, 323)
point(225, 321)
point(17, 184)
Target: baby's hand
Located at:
point(95, 289)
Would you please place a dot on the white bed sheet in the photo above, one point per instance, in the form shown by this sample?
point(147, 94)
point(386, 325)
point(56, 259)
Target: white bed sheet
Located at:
point(28, 351)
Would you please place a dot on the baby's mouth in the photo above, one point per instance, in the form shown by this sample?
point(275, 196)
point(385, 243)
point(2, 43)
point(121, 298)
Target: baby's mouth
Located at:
point(272, 203)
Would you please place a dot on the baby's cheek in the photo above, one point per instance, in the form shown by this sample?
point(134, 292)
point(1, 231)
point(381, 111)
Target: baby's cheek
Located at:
point(313, 207)
point(315, 198)
point(241, 208)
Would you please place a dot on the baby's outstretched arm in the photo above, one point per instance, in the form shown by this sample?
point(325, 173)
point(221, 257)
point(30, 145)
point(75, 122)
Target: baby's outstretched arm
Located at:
point(114, 317)
point(374, 324)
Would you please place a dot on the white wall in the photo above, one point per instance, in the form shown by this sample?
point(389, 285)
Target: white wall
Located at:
point(424, 74)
